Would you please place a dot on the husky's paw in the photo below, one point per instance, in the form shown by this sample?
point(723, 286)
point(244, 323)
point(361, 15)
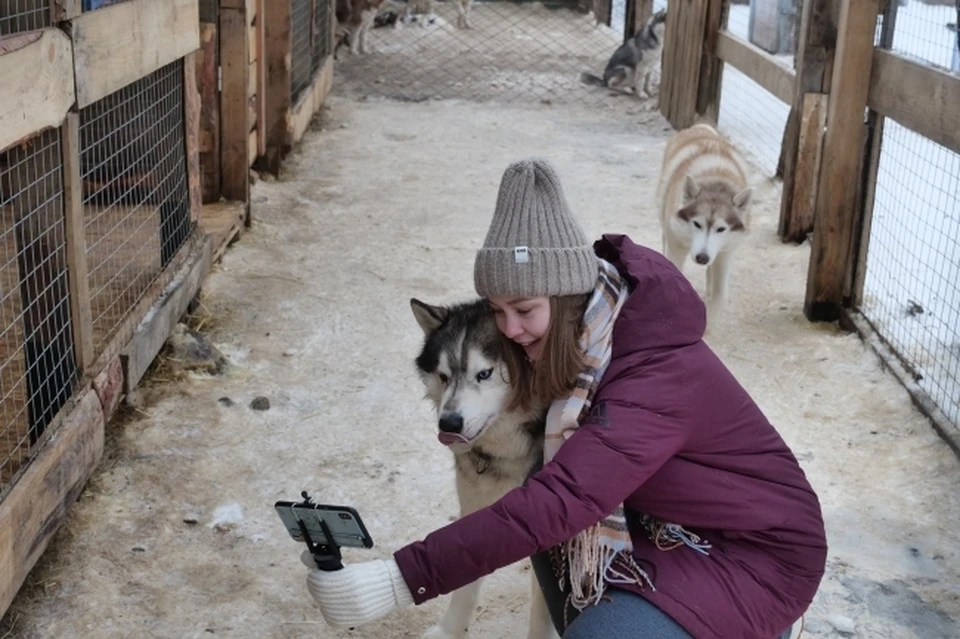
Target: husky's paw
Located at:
point(436, 632)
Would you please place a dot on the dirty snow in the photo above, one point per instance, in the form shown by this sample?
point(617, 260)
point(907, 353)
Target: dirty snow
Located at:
point(388, 202)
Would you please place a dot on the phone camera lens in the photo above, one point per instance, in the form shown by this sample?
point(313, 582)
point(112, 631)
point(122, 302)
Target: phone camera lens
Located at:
point(345, 516)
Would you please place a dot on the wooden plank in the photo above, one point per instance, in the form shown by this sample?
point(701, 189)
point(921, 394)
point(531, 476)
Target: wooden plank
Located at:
point(311, 101)
point(222, 221)
point(253, 43)
point(210, 110)
point(711, 66)
point(758, 65)
point(80, 313)
point(191, 113)
point(835, 215)
point(172, 303)
point(814, 63)
point(108, 57)
point(38, 503)
point(262, 81)
point(234, 110)
point(36, 73)
point(934, 114)
point(276, 92)
point(812, 122)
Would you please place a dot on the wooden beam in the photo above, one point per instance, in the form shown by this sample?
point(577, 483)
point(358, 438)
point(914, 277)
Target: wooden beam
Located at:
point(807, 168)
point(169, 307)
point(921, 97)
point(234, 109)
point(109, 56)
point(276, 92)
point(758, 65)
point(210, 105)
point(36, 73)
point(261, 89)
point(191, 121)
point(835, 215)
point(33, 510)
point(311, 101)
point(711, 65)
point(679, 83)
point(80, 312)
point(814, 63)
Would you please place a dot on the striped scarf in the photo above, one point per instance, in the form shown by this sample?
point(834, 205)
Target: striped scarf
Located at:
point(603, 553)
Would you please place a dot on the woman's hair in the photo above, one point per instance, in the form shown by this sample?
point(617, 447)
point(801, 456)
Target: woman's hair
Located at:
point(561, 359)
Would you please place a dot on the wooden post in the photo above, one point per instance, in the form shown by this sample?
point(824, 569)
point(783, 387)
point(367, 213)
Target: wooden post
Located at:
point(208, 71)
point(191, 123)
point(234, 108)
point(80, 312)
point(842, 153)
point(276, 61)
point(873, 144)
point(814, 69)
point(684, 38)
point(711, 67)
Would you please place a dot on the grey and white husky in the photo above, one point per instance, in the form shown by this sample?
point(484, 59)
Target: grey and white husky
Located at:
point(494, 447)
point(634, 61)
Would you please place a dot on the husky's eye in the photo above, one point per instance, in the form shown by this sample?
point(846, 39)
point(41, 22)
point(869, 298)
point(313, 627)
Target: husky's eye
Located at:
point(484, 374)
point(443, 378)
point(721, 229)
point(697, 224)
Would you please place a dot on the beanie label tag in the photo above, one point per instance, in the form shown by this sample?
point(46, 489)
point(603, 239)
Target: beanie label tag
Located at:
point(521, 254)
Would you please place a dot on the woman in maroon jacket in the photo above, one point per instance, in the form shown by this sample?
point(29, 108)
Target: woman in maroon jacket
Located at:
point(667, 505)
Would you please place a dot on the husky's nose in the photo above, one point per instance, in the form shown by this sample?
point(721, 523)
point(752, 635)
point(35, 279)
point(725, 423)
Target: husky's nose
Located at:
point(452, 423)
point(702, 258)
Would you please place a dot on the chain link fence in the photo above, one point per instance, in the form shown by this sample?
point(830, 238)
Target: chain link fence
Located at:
point(37, 363)
point(488, 50)
point(135, 192)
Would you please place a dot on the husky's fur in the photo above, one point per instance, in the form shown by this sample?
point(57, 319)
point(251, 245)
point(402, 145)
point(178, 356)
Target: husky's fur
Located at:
point(494, 449)
point(634, 61)
point(354, 20)
point(704, 204)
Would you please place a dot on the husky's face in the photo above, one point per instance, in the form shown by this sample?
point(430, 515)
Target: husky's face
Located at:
point(713, 218)
point(461, 367)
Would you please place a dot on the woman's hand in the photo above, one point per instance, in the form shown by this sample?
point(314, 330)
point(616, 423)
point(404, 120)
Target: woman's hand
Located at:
point(357, 593)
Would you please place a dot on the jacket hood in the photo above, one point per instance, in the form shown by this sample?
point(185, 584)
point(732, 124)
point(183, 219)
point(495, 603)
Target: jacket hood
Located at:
point(663, 310)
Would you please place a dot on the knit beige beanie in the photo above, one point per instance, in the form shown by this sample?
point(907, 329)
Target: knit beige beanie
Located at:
point(534, 246)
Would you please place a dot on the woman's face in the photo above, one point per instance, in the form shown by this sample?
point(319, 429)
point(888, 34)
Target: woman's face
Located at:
point(523, 320)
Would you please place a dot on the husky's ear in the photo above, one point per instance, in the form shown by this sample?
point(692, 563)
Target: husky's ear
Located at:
point(690, 188)
point(742, 199)
point(430, 318)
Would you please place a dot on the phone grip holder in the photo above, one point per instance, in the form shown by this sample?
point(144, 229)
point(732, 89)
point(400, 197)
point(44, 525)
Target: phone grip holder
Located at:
point(325, 555)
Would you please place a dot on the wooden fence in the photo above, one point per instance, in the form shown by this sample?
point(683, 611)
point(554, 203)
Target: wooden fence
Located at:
point(127, 133)
point(846, 81)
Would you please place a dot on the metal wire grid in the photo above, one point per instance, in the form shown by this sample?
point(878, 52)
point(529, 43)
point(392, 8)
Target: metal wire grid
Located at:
point(928, 31)
point(513, 52)
point(302, 28)
point(321, 34)
point(136, 198)
point(17, 16)
point(38, 369)
point(911, 290)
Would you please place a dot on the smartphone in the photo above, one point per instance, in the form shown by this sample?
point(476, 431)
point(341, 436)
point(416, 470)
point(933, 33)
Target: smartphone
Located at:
point(344, 522)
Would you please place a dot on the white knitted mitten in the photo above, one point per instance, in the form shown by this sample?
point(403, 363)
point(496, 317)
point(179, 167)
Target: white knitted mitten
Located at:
point(357, 593)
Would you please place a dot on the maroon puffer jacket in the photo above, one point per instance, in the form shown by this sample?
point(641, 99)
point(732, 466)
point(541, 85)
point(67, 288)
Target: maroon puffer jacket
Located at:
point(674, 435)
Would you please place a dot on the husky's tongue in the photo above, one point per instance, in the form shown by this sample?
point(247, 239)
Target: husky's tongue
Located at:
point(450, 438)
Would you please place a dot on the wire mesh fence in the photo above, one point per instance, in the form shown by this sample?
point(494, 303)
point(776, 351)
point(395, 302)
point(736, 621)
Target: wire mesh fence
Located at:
point(37, 363)
point(135, 192)
point(17, 16)
point(752, 117)
point(309, 42)
point(486, 50)
point(911, 283)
